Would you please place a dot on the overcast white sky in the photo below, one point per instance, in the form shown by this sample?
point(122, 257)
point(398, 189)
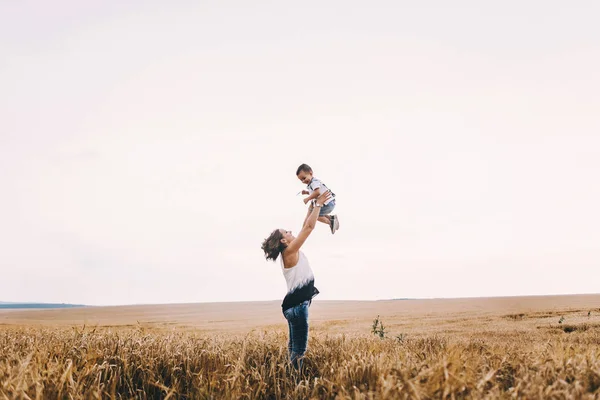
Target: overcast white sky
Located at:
point(147, 148)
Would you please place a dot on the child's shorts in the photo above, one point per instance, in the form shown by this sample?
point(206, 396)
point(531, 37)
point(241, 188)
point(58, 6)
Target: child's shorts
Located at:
point(328, 208)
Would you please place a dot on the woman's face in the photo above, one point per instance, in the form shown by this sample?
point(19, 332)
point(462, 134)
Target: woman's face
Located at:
point(287, 236)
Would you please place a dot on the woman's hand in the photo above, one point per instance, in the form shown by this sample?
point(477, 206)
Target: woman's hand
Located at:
point(305, 192)
point(324, 197)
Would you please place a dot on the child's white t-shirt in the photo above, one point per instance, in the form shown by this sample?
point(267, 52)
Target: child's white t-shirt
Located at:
point(317, 184)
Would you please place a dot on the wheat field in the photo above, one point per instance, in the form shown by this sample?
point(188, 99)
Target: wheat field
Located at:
point(523, 347)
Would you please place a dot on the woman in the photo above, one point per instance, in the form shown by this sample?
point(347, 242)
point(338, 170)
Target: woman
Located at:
point(299, 278)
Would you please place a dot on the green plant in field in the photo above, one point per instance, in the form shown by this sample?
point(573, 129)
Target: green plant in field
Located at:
point(400, 338)
point(561, 320)
point(378, 328)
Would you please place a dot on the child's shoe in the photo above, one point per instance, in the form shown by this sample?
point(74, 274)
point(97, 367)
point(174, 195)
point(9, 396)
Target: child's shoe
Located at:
point(334, 223)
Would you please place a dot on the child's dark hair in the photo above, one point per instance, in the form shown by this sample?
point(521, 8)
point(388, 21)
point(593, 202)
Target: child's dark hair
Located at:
point(272, 245)
point(305, 168)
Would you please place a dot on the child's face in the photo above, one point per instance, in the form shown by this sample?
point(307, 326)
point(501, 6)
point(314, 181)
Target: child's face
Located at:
point(305, 177)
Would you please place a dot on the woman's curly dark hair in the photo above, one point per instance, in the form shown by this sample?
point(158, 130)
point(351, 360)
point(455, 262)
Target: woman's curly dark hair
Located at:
point(272, 245)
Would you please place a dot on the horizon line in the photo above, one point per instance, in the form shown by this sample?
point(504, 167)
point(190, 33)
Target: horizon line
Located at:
point(278, 300)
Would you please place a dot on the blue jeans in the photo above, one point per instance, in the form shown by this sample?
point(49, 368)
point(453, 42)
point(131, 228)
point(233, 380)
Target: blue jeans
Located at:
point(327, 209)
point(297, 318)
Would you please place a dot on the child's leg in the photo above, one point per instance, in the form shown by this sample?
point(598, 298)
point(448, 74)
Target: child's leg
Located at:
point(324, 214)
point(326, 219)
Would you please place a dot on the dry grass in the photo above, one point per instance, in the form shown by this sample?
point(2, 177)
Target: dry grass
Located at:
point(492, 355)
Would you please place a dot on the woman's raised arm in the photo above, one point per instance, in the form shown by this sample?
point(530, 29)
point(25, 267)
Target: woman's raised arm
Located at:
point(311, 221)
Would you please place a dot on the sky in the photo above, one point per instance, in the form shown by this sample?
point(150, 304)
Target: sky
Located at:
point(147, 148)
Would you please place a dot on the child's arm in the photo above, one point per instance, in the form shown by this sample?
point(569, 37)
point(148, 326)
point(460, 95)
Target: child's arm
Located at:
point(313, 195)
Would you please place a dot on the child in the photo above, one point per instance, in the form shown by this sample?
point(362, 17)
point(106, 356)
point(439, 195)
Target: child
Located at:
point(314, 188)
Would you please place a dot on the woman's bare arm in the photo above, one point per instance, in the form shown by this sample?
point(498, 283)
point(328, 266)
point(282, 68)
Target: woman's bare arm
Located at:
point(309, 225)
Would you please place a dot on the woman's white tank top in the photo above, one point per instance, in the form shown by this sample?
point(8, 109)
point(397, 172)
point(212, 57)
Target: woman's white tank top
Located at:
point(298, 275)
point(300, 282)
